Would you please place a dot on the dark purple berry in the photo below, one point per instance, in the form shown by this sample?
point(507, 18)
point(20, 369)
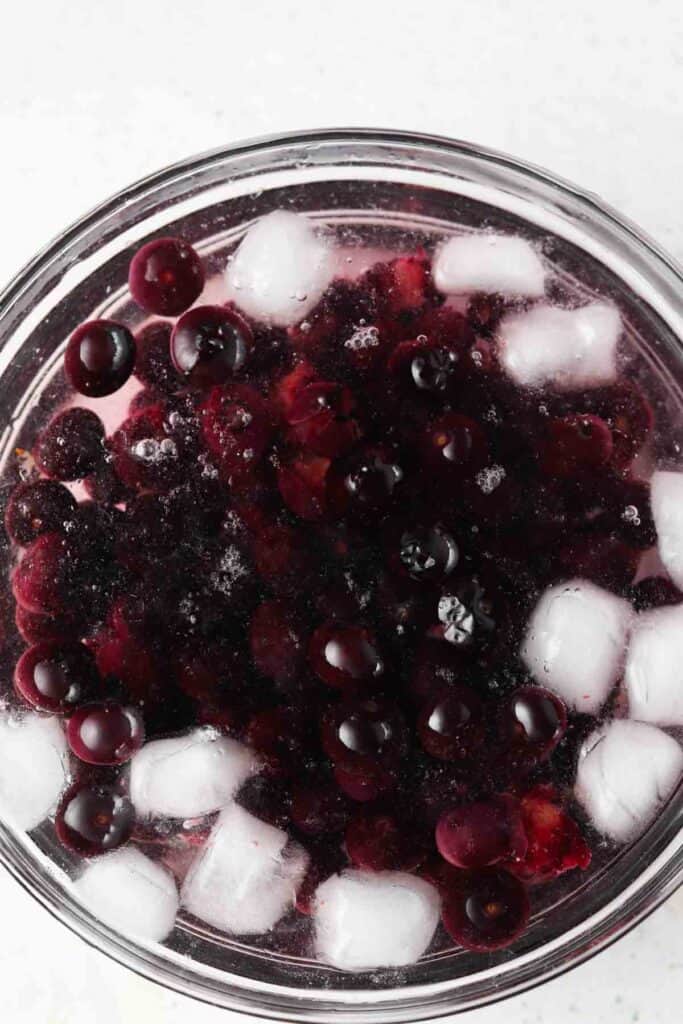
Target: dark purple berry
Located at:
point(42, 582)
point(483, 833)
point(451, 724)
point(72, 445)
point(428, 553)
point(166, 276)
point(147, 451)
point(574, 445)
point(92, 820)
point(379, 842)
point(55, 677)
point(455, 446)
point(365, 483)
point(34, 627)
point(99, 357)
point(364, 734)
point(210, 344)
point(236, 427)
point(532, 721)
point(321, 419)
point(345, 657)
point(153, 364)
point(105, 733)
point(42, 506)
point(486, 911)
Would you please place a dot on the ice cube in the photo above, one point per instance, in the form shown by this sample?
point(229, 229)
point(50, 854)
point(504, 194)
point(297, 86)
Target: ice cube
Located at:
point(246, 877)
point(131, 893)
point(653, 667)
point(569, 348)
point(190, 775)
point(33, 767)
point(575, 642)
point(280, 269)
point(626, 771)
point(666, 497)
point(368, 919)
point(489, 263)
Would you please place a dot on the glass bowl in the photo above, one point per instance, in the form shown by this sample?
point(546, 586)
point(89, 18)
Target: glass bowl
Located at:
point(343, 178)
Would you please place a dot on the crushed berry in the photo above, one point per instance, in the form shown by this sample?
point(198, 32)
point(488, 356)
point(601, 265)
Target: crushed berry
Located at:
point(379, 842)
point(321, 419)
point(555, 843)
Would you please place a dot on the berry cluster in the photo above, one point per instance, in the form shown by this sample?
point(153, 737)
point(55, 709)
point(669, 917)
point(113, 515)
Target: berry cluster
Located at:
point(326, 540)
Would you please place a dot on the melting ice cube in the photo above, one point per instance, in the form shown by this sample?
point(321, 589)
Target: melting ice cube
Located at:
point(131, 893)
point(575, 642)
point(489, 263)
point(246, 877)
point(33, 767)
point(653, 678)
point(367, 919)
point(570, 348)
point(187, 776)
point(626, 771)
point(280, 269)
point(666, 496)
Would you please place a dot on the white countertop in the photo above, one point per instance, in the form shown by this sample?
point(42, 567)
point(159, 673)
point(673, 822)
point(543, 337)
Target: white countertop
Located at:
point(95, 95)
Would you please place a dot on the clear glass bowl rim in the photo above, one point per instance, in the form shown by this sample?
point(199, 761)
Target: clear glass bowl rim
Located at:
point(654, 884)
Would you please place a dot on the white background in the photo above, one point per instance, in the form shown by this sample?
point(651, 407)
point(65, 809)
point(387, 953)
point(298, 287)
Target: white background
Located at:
point(95, 94)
